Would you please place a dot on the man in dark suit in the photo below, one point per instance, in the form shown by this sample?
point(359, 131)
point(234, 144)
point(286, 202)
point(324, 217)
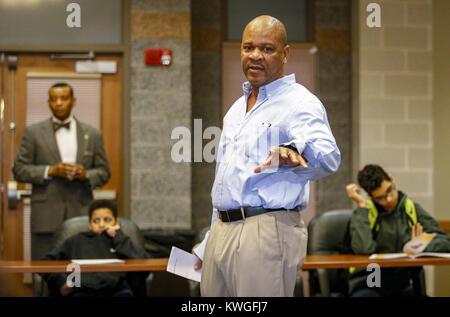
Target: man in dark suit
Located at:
point(65, 160)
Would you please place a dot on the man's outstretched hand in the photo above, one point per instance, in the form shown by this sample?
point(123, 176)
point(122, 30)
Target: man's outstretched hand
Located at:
point(282, 156)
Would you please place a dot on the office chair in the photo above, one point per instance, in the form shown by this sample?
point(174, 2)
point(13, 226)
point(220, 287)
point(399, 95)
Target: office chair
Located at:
point(326, 234)
point(79, 224)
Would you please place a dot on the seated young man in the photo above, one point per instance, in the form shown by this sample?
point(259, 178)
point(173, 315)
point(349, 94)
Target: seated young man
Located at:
point(103, 240)
point(385, 224)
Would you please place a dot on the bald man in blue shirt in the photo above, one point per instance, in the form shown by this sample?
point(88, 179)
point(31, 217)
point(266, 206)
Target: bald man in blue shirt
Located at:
point(275, 139)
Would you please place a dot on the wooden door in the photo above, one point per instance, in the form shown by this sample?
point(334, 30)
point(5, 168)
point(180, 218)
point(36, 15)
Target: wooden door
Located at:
point(110, 124)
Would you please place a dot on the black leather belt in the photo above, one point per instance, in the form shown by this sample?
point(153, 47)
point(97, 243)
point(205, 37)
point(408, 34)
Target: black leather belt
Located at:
point(243, 212)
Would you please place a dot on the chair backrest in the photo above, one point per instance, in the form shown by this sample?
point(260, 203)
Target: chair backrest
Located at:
point(326, 235)
point(75, 225)
point(326, 232)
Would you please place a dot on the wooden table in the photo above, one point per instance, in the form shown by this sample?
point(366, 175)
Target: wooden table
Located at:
point(61, 266)
point(351, 260)
point(311, 262)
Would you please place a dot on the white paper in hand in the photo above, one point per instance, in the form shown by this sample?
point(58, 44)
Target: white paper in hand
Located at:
point(182, 263)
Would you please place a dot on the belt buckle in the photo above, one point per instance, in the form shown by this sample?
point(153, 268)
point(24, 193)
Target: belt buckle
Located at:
point(242, 213)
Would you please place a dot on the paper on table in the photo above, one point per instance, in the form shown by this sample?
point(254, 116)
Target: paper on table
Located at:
point(182, 263)
point(388, 256)
point(432, 254)
point(381, 256)
point(97, 261)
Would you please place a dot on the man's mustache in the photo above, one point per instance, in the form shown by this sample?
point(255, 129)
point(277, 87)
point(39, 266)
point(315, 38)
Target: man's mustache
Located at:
point(255, 66)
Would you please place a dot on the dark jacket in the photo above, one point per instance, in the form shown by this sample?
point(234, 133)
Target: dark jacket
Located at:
point(90, 245)
point(394, 233)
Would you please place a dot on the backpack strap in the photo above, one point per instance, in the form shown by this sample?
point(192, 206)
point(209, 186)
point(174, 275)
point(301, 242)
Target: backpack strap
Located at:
point(374, 220)
point(410, 210)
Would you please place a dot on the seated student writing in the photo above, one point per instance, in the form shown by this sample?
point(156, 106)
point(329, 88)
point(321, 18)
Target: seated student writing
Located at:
point(385, 224)
point(103, 240)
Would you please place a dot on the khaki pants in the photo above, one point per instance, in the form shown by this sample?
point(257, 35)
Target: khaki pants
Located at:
point(254, 258)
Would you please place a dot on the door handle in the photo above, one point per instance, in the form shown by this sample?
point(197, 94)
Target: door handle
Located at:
point(15, 195)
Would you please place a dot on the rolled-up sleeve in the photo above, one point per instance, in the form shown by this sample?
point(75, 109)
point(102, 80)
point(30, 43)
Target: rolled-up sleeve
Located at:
point(311, 135)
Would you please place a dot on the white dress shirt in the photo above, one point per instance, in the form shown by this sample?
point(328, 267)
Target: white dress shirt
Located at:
point(66, 139)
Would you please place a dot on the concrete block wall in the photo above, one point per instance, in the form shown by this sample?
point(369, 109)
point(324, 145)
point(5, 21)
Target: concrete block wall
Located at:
point(160, 101)
point(395, 98)
point(396, 95)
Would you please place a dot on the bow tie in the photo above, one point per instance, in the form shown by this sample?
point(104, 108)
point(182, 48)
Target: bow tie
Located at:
point(57, 126)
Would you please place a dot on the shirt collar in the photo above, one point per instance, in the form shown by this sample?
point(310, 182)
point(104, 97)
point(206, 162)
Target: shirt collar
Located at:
point(69, 119)
point(270, 88)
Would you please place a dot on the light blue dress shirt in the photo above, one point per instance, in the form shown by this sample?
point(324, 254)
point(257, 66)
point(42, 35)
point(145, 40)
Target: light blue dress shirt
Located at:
point(286, 113)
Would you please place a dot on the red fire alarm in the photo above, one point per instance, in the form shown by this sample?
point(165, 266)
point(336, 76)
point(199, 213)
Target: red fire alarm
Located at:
point(157, 56)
